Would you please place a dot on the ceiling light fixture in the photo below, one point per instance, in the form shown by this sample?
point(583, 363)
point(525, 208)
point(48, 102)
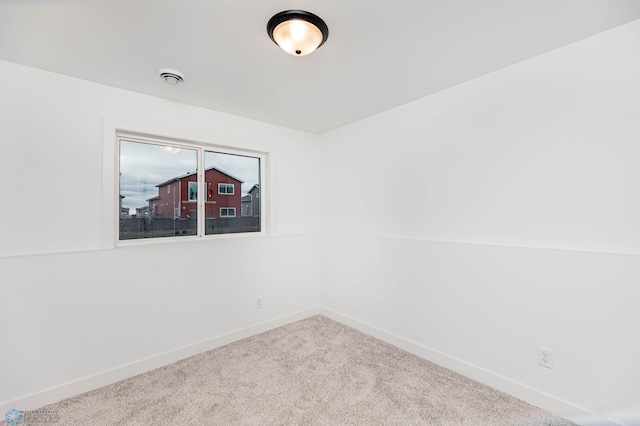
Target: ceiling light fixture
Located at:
point(297, 32)
point(172, 77)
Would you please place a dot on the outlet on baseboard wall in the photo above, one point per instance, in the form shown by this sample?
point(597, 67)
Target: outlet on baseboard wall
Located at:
point(258, 302)
point(545, 357)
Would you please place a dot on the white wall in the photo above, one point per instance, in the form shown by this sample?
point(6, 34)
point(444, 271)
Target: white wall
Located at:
point(497, 216)
point(72, 310)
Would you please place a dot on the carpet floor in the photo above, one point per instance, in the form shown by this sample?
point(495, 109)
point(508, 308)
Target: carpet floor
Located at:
point(312, 372)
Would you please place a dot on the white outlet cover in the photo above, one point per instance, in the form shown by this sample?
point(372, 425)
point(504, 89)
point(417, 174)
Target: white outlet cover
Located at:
point(545, 357)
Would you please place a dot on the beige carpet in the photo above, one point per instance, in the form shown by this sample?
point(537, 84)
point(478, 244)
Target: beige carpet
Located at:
point(312, 372)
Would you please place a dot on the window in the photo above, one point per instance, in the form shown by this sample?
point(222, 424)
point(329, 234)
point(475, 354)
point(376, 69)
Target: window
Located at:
point(225, 188)
point(228, 212)
point(193, 191)
point(147, 165)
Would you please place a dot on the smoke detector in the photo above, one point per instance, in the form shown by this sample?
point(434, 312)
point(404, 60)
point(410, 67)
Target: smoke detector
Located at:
point(172, 77)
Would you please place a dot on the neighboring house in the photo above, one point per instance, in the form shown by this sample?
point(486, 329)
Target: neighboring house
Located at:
point(246, 205)
point(251, 202)
point(178, 197)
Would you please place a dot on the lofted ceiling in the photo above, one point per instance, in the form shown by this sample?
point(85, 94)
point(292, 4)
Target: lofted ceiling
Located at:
point(380, 54)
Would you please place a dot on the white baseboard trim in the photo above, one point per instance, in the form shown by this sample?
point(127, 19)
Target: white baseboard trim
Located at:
point(547, 402)
point(54, 394)
point(562, 408)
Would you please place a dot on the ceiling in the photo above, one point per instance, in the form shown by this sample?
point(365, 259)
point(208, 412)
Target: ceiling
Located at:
point(380, 54)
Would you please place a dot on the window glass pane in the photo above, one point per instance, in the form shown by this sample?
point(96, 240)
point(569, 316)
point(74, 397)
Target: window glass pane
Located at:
point(193, 191)
point(228, 212)
point(226, 188)
point(233, 185)
point(157, 198)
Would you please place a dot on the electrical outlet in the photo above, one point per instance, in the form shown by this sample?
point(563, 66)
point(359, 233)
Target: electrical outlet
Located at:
point(545, 357)
point(258, 302)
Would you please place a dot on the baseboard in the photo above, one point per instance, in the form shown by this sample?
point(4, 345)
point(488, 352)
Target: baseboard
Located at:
point(48, 396)
point(557, 406)
point(545, 401)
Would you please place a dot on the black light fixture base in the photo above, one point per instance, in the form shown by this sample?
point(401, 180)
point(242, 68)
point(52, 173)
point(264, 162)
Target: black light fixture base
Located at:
point(287, 15)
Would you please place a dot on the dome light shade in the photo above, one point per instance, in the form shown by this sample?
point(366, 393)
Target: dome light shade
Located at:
point(297, 32)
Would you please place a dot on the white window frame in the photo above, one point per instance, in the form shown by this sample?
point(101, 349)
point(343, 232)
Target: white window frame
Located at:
point(227, 186)
point(189, 189)
point(115, 130)
point(228, 209)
